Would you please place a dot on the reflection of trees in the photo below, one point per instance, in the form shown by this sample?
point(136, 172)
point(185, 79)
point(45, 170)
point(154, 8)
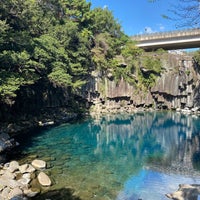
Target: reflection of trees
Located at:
point(159, 139)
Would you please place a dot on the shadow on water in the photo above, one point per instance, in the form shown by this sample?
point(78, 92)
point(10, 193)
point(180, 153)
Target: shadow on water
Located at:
point(59, 194)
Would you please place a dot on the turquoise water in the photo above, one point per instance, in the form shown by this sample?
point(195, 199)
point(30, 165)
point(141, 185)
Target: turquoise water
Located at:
point(119, 157)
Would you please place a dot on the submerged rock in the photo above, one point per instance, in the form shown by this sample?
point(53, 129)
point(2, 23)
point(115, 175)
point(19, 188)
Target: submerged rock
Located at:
point(40, 164)
point(43, 179)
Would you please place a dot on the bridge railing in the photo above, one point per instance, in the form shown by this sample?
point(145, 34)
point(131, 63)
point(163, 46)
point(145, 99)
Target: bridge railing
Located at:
point(168, 34)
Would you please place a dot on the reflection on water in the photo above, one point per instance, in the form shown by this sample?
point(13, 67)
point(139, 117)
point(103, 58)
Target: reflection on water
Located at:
point(143, 155)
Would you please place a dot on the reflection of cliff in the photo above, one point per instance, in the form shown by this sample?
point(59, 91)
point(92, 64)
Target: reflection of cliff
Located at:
point(159, 139)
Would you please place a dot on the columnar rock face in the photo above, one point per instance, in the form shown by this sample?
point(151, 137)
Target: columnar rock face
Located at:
point(178, 87)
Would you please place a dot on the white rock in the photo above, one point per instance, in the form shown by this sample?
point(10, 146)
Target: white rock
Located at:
point(23, 168)
point(43, 179)
point(26, 168)
point(5, 192)
point(5, 181)
point(30, 169)
point(16, 192)
point(39, 164)
point(2, 172)
point(9, 175)
point(24, 181)
point(30, 193)
point(14, 165)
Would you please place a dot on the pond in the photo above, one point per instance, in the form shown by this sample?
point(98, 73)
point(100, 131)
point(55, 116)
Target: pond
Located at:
point(118, 157)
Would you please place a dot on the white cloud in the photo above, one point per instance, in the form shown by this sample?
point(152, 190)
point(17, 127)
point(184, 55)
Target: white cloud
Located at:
point(105, 6)
point(148, 29)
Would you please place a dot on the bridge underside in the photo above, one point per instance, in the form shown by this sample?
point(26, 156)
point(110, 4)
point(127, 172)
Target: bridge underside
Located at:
point(171, 44)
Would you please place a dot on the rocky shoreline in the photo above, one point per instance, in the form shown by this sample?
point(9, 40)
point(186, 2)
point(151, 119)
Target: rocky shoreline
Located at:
point(21, 182)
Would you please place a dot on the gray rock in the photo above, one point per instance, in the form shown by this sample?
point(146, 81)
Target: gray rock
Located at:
point(43, 179)
point(6, 142)
point(39, 164)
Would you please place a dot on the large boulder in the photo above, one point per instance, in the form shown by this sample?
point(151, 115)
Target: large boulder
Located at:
point(43, 179)
point(39, 164)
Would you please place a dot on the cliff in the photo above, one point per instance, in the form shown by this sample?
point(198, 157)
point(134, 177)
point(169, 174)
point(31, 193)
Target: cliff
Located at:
point(176, 88)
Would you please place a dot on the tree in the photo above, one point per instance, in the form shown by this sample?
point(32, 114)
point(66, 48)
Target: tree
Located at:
point(186, 13)
point(42, 39)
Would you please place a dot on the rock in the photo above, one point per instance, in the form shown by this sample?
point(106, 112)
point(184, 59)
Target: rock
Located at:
point(195, 109)
point(30, 169)
point(185, 192)
point(15, 180)
point(1, 188)
point(5, 192)
point(23, 168)
point(2, 172)
point(8, 175)
point(25, 180)
point(43, 179)
point(39, 164)
point(26, 168)
point(14, 165)
point(6, 166)
point(16, 192)
point(5, 142)
point(31, 192)
point(5, 181)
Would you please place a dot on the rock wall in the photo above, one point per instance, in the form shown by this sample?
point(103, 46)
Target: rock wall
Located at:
point(178, 87)
point(40, 104)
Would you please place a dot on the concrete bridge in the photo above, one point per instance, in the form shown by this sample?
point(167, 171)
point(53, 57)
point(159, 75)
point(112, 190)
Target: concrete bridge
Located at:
point(181, 39)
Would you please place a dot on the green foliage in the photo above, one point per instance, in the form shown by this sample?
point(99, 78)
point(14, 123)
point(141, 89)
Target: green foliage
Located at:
point(197, 57)
point(9, 82)
point(60, 41)
point(149, 69)
point(43, 39)
point(152, 64)
point(102, 21)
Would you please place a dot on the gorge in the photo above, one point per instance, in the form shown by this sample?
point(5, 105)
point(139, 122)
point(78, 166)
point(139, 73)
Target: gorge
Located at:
point(176, 88)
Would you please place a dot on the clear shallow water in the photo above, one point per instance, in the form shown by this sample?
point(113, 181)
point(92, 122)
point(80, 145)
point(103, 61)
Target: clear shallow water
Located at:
point(119, 157)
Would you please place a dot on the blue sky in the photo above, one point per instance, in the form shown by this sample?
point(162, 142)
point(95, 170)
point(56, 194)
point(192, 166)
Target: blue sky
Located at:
point(139, 16)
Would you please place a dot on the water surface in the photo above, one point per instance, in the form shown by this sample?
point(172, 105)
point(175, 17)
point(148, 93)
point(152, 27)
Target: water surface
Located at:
point(120, 157)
